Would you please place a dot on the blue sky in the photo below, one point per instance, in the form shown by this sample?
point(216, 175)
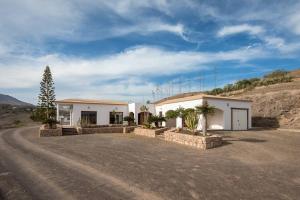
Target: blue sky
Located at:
point(126, 49)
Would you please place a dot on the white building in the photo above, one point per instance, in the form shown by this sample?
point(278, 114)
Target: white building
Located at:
point(101, 112)
point(230, 114)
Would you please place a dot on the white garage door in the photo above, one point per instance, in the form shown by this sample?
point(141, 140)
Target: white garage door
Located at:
point(239, 119)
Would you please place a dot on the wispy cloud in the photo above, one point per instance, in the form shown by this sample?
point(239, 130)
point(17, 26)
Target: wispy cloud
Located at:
point(120, 48)
point(236, 29)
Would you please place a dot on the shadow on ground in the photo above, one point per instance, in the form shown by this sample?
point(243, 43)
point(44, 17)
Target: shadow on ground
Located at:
point(229, 140)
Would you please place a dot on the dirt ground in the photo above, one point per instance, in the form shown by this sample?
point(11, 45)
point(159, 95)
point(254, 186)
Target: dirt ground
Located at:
point(250, 165)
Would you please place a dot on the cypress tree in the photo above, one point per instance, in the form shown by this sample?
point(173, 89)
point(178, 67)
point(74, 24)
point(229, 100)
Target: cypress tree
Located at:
point(47, 96)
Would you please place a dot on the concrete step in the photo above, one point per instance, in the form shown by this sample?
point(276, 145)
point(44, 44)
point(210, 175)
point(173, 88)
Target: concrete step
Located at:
point(69, 131)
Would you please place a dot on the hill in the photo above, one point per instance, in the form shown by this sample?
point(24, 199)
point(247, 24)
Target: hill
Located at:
point(276, 105)
point(13, 112)
point(9, 100)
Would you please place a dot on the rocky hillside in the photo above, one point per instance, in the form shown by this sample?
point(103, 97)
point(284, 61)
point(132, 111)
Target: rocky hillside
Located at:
point(9, 100)
point(275, 105)
point(13, 112)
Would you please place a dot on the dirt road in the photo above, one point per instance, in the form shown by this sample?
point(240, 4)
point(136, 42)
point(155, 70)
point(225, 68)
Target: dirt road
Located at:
point(251, 165)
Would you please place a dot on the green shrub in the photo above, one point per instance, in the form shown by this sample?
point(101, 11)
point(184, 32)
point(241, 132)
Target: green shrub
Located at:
point(128, 119)
point(171, 114)
point(276, 74)
point(191, 121)
point(155, 119)
point(51, 122)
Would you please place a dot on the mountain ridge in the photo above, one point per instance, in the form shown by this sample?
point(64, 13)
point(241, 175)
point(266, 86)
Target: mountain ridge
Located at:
point(9, 100)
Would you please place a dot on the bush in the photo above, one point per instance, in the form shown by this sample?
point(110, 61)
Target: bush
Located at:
point(50, 122)
point(191, 121)
point(155, 119)
point(171, 114)
point(276, 74)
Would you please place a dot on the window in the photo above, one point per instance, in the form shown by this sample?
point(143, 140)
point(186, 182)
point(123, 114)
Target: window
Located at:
point(89, 117)
point(116, 117)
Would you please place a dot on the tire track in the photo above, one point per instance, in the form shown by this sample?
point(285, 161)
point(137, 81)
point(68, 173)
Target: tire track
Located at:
point(45, 186)
point(83, 168)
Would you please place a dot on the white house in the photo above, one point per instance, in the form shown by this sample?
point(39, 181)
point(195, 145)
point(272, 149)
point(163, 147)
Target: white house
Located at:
point(101, 112)
point(230, 114)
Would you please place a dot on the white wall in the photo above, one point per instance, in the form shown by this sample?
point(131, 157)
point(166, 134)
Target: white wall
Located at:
point(222, 117)
point(102, 112)
point(173, 106)
point(226, 106)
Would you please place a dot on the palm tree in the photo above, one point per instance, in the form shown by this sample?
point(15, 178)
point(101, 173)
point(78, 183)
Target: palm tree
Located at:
point(205, 110)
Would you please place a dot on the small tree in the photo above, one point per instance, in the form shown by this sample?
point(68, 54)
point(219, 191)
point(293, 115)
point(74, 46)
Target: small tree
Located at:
point(191, 121)
point(171, 114)
point(156, 120)
point(205, 110)
point(129, 119)
point(47, 97)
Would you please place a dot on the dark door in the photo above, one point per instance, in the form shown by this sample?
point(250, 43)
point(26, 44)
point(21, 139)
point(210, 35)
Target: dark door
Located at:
point(90, 117)
point(171, 123)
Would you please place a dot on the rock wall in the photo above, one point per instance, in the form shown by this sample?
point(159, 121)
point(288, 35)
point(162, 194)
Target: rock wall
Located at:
point(149, 132)
point(194, 140)
point(45, 132)
point(99, 130)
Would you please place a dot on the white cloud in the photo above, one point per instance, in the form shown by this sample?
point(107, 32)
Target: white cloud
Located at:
point(293, 22)
point(35, 21)
point(24, 72)
point(236, 29)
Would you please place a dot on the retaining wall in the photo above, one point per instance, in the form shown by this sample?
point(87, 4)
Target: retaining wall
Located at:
point(46, 132)
point(119, 129)
point(197, 141)
point(149, 132)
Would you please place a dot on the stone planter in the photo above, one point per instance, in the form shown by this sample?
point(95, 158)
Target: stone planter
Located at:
point(149, 132)
point(128, 129)
point(106, 129)
point(81, 130)
point(196, 141)
point(46, 132)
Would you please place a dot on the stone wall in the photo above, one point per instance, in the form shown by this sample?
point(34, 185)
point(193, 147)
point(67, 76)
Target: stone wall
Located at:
point(128, 129)
point(81, 130)
point(197, 141)
point(149, 132)
point(46, 132)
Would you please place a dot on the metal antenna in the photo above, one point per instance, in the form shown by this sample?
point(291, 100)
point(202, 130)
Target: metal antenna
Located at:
point(200, 83)
point(180, 85)
point(172, 88)
point(215, 76)
point(153, 95)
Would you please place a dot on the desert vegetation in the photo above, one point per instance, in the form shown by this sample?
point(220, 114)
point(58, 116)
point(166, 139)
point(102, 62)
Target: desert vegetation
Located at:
point(278, 76)
point(191, 116)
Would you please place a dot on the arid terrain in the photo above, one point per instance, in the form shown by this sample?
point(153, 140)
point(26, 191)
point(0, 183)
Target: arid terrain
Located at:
point(14, 113)
point(275, 105)
point(250, 165)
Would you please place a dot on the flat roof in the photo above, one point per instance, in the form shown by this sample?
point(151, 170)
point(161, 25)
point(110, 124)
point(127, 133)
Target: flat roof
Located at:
point(90, 101)
point(194, 96)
